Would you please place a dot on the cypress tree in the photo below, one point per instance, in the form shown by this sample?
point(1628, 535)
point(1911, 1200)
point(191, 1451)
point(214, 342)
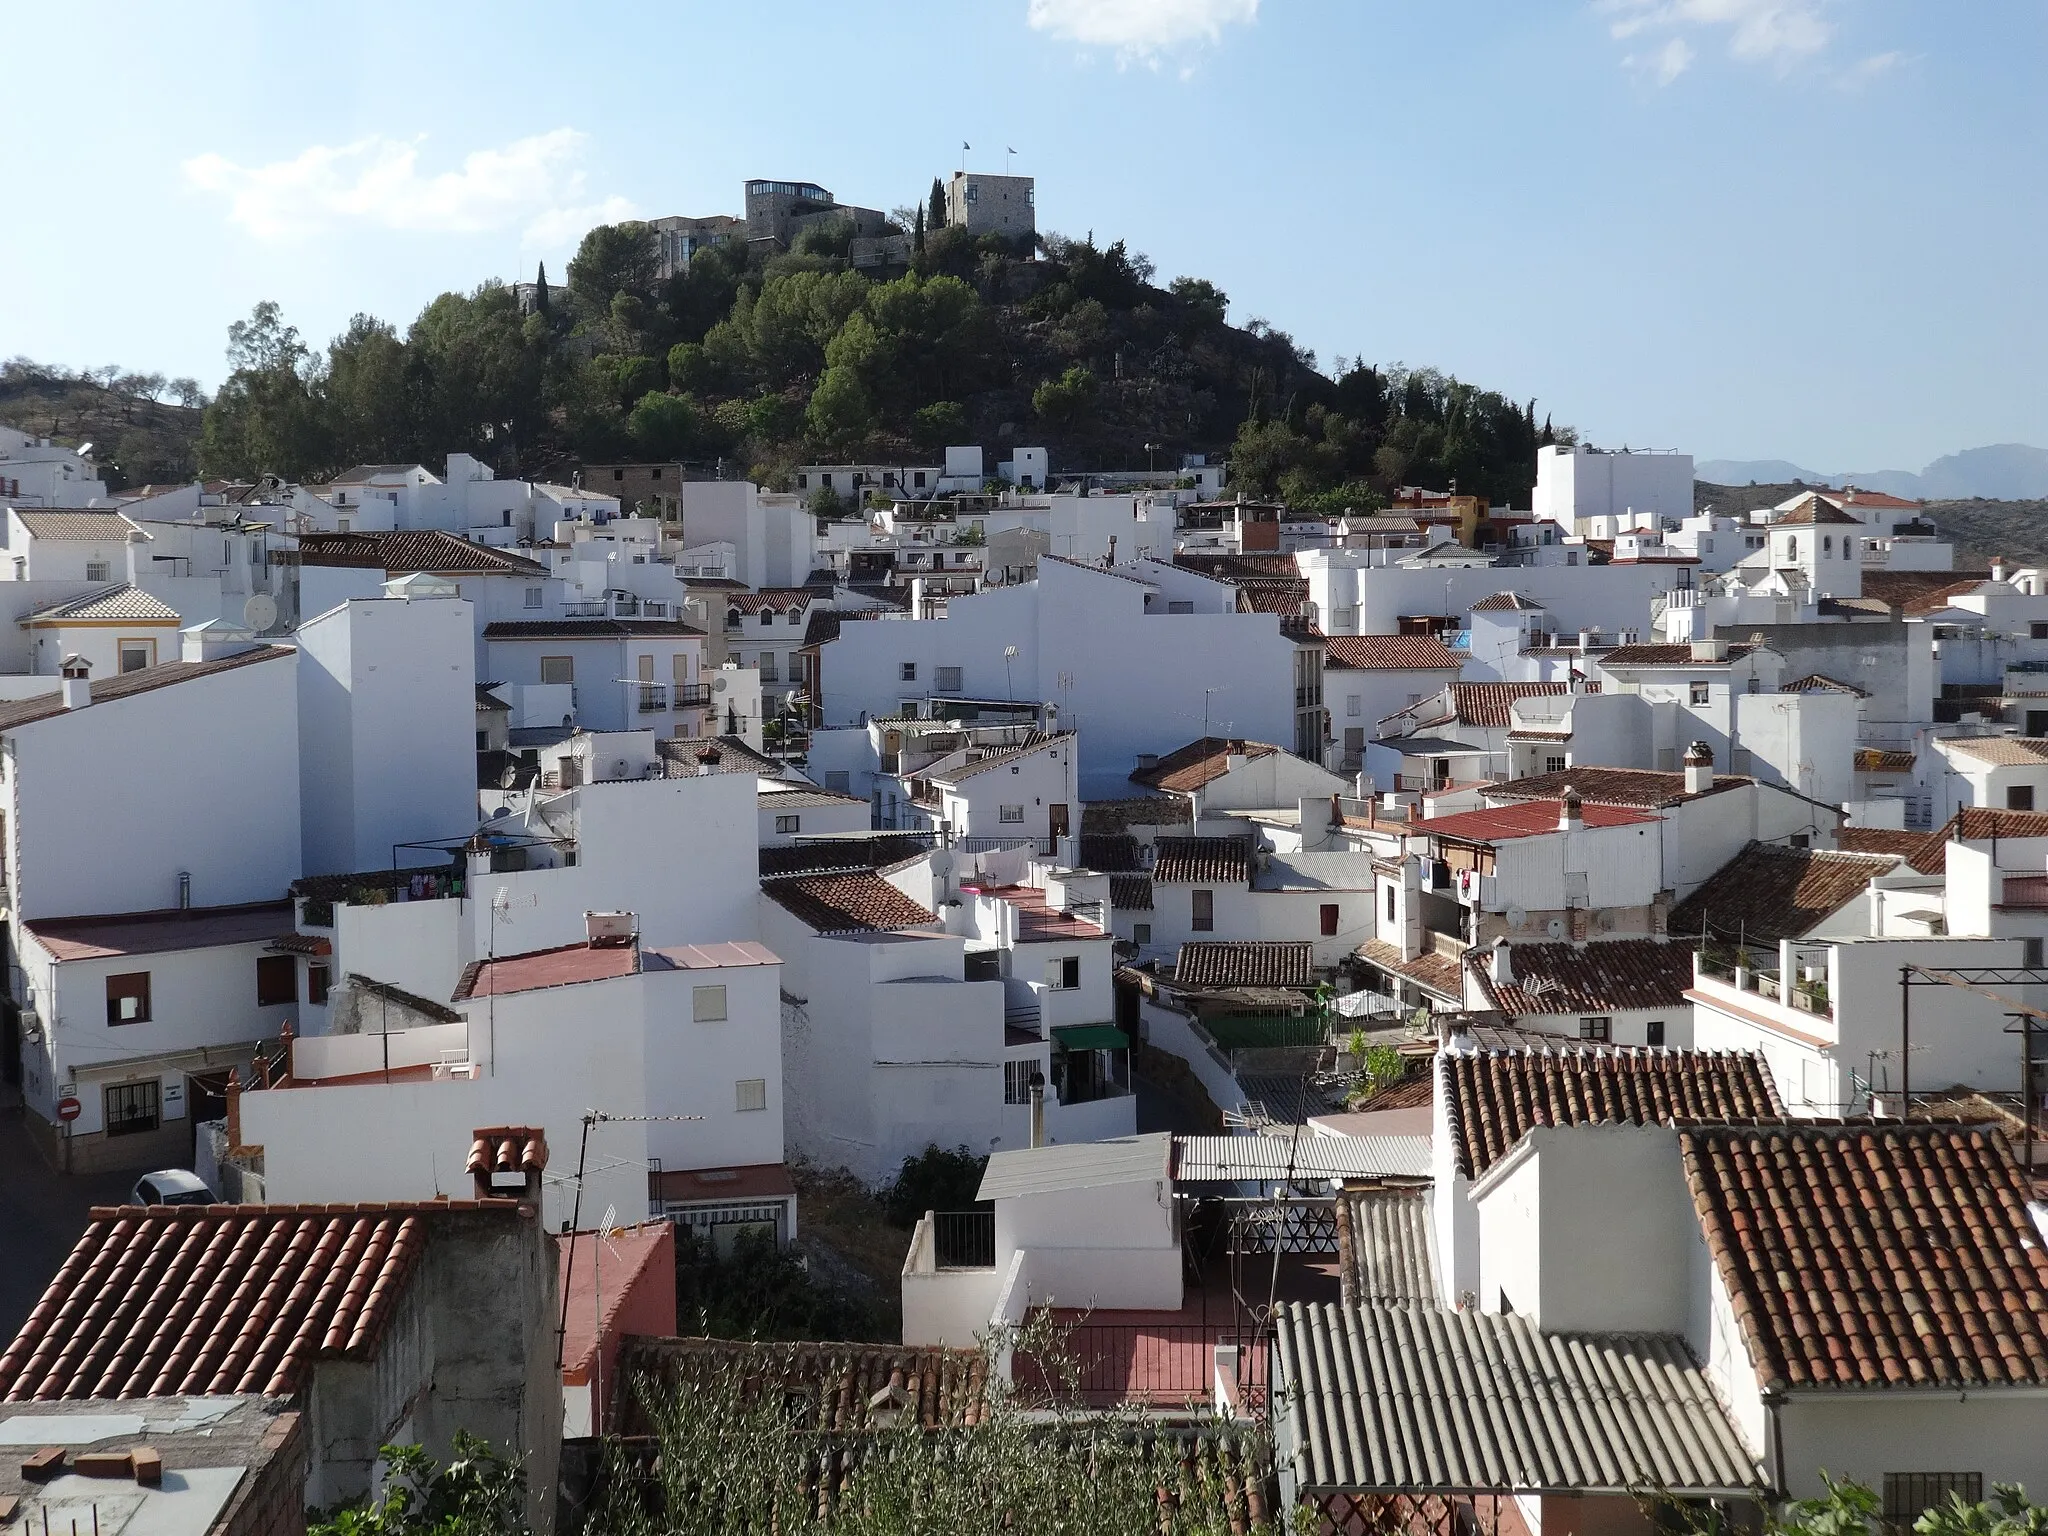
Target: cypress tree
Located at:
point(936, 219)
point(917, 233)
point(542, 304)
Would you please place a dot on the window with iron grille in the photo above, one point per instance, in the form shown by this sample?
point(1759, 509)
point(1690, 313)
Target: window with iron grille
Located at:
point(1909, 1495)
point(1017, 1081)
point(1009, 813)
point(1554, 765)
point(132, 1108)
point(947, 680)
point(96, 570)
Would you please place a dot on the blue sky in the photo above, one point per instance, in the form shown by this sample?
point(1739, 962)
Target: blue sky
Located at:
point(1810, 229)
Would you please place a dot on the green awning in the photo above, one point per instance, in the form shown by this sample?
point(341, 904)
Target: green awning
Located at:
point(1090, 1037)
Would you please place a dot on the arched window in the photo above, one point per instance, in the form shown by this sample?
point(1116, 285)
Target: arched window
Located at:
point(767, 615)
point(1792, 547)
point(732, 618)
point(1827, 544)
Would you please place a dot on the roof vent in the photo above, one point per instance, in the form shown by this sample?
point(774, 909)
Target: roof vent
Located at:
point(1570, 813)
point(77, 674)
point(507, 1162)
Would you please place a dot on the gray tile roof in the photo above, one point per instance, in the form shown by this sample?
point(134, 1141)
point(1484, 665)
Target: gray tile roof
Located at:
point(1419, 1400)
point(1077, 1165)
point(1388, 1252)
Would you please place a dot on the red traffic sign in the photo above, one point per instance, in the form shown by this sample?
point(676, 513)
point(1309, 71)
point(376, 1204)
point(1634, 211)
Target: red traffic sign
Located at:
point(69, 1110)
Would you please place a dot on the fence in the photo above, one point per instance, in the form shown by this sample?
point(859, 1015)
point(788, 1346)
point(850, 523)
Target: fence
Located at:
point(1102, 1364)
point(964, 1239)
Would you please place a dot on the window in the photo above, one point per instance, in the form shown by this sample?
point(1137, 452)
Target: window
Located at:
point(1204, 912)
point(137, 1107)
point(2030, 953)
point(618, 474)
point(1653, 1032)
point(1792, 548)
point(1390, 904)
point(1554, 764)
point(534, 595)
point(789, 824)
point(1596, 1029)
point(767, 617)
point(1010, 813)
point(558, 669)
point(137, 654)
point(1329, 919)
point(2019, 797)
point(1017, 1077)
point(1063, 975)
point(1141, 933)
point(1353, 705)
point(1827, 545)
point(768, 669)
point(1173, 607)
point(839, 781)
point(2038, 630)
point(947, 680)
point(1909, 1495)
point(750, 1093)
point(908, 672)
point(316, 985)
point(341, 525)
point(95, 570)
point(128, 998)
point(1699, 692)
point(707, 1004)
point(277, 980)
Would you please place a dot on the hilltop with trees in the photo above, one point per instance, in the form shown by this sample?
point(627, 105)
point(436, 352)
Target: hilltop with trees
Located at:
point(757, 363)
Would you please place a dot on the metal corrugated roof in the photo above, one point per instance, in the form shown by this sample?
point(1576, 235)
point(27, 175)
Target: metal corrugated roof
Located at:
point(1239, 1159)
point(1076, 1165)
point(1388, 1244)
point(1421, 1400)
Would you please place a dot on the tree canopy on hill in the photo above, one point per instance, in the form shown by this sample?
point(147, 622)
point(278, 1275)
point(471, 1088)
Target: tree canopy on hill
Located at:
point(143, 427)
point(760, 362)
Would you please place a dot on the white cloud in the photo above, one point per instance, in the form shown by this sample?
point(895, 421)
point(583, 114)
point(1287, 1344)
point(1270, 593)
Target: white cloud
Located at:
point(1864, 71)
point(534, 184)
point(1779, 33)
point(1140, 30)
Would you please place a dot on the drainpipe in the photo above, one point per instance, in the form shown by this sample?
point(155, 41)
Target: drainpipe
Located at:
point(1037, 1110)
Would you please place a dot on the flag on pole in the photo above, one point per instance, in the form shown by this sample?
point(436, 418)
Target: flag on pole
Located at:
point(965, 146)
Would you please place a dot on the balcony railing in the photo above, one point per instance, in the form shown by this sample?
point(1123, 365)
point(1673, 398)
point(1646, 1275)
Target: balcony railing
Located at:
point(964, 1239)
point(653, 698)
point(693, 695)
point(1803, 994)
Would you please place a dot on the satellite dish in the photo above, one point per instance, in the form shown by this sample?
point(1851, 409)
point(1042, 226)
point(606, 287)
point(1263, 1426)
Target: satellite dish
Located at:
point(260, 612)
point(718, 685)
point(1516, 917)
point(1555, 928)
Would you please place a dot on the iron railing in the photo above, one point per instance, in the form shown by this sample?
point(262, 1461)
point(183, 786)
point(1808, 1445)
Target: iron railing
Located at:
point(1103, 1364)
point(964, 1239)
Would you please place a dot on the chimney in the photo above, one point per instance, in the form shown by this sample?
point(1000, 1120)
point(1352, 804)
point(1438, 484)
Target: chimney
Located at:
point(1502, 965)
point(1037, 1109)
point(77, 673)
point(1699, 768)
point(610, 930)
point(1710, 650)
point(1586, 637)
point(507, 1162)
point(1998, 567)
point(1570, 816)
point(1235, 758)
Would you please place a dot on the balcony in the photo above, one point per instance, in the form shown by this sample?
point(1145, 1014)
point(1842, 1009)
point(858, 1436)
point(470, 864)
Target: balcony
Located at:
point(693, 695)
point(653, 698)
point(1798, 983)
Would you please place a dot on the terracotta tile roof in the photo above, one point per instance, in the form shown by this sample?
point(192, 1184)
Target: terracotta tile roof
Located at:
point(824, 1388)
point(2000, 751)
point(1923, 850)
point(1507, 602)
point(48, 706)
point(563, 966)
point(1523, 818)
point(721, 754)
point(155, 933)
point(1239, 567)
point(1820, 682)
point(589, 629)
point(1188, 768)
point(1410, 653)
point(1282, 595)
point(1036, 743)
point(164, 1300)
point(1767, 893)
point(1875, 1255)
point(1942, 597)
point(1495, 1097)
point(508, 1149)
point(1439, 974)
point(1813, 509)
point(857, 902)
point(1246, 963)
point(1109, 852)
point(778, 598)
point(1488, 704)
point(1130, 893)
point(120, 601)
point(1038, 921)
point(1605, 976)
point(1137, 811)
point(108, 527)
point(1643, 788)
point(408, 551)
point(1852, 496)
point(1679, 655)
point(1981, 823)
point(1899, 588)
point(840, 854)
point(1202, 861)
point(1877, 760)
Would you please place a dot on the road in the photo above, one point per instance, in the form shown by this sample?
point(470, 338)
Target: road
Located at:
point(41, 1215)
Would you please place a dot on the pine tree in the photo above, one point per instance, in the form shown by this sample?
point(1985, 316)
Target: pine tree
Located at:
point(936, 219)
point(542, 305)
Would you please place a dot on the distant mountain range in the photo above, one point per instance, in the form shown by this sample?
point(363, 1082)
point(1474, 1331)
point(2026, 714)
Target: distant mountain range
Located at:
point(2000, 472)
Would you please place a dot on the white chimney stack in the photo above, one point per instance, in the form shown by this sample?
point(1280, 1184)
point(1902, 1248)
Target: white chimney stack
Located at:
point(77, 672)
point(1503, 965)
point(1699, 768)
point(1710, 650)
point(1037, 1110)
point(1570, 816)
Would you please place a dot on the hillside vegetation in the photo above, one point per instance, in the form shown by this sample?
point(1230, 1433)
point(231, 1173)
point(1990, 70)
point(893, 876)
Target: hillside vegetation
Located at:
point(143, 428)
